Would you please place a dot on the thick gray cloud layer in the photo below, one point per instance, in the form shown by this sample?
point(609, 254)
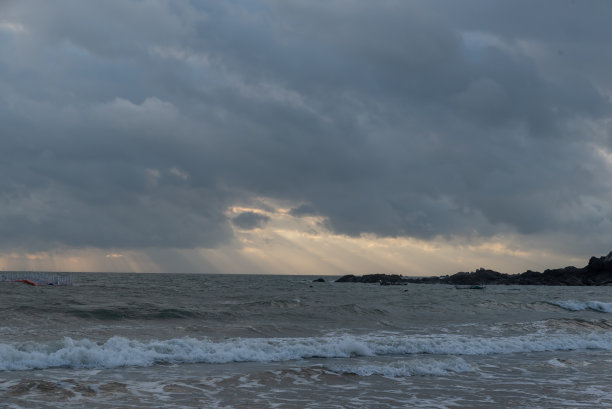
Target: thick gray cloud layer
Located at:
point(250, 220)
point(132, 124)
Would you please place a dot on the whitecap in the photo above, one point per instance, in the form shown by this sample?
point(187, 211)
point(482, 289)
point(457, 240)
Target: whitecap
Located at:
point(573, 305)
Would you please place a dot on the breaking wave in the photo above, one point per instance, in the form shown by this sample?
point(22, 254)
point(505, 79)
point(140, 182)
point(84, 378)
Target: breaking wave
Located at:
point(572, 305)
point(119, 351)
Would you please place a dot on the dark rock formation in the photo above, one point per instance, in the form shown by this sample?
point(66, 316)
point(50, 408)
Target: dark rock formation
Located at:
point(383, 279)
point(348, 279)
point(318, 280)
point(597, 272)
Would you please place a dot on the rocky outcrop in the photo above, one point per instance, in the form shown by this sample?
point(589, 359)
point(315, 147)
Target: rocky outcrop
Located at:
point(383, 279)
point(597, 272)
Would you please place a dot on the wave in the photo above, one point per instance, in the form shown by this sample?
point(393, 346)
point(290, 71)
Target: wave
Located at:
point(115, 313)
point(572, 305)
point(402, 369)
point(124, 313)
point(120, 351)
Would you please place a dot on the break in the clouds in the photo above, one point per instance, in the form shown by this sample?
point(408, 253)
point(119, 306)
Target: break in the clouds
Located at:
point(137, 124)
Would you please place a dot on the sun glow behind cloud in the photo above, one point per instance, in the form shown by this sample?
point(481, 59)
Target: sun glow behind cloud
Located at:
point(286, 244)
point(302, 245)
point(285, 252)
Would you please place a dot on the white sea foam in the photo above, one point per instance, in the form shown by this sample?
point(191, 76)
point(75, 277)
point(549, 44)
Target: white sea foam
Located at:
point(573, 305)
point(557, 363)
point(119, 351)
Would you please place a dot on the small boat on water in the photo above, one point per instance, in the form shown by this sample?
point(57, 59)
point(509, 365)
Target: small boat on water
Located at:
point(470, 287)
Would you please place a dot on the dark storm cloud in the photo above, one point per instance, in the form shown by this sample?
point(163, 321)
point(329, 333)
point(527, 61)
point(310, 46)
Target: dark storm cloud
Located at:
point(137, 124)
point(250, 220)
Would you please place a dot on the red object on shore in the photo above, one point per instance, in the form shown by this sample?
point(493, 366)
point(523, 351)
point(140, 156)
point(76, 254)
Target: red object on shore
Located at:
point(30, 282)
point(37, 279)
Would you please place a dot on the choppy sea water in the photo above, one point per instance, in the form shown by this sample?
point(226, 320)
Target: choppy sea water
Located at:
point(204, 341)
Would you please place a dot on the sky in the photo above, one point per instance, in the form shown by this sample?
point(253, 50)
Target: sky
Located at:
point(418, 137)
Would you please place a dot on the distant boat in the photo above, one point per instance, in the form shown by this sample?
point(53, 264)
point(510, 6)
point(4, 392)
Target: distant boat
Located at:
point(470, 287)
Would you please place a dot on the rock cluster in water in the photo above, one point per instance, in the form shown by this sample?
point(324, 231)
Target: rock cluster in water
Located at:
point(597, 272)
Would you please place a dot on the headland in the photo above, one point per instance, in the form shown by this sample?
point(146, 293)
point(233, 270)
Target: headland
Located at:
point(597, 272)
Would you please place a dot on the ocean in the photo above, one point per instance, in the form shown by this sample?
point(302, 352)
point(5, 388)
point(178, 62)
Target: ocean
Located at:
point(247, 341)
